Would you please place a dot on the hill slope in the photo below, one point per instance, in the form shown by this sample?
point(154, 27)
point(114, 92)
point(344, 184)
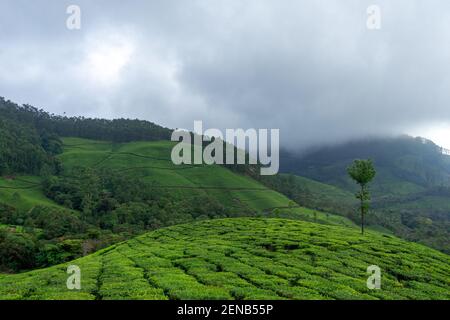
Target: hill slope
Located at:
point(410, 193)
point(24, 193)
point(404, 164)
point(245, 258)
point(151, 162)
point(107, 192)
point(313, 194)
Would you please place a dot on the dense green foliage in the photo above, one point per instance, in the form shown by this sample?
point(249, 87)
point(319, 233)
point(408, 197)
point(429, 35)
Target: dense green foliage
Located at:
point(107, 192)
point(125, 202)
point(245, 258)
point(50, 126)
point(362, 171)
point(24, 148)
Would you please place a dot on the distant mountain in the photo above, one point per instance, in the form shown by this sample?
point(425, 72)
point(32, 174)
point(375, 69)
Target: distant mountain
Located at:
point(410, 193)
point(404, 164)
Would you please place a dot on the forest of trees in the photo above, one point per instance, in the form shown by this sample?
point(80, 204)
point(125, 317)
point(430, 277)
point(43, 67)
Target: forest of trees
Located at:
point(24, 148)
point(100, 207)
point(117, 130)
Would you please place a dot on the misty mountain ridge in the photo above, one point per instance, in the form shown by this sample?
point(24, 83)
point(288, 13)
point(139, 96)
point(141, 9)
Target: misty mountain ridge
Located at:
point(405, 164)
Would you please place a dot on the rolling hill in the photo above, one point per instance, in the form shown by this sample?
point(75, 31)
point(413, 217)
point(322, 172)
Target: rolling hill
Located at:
point(127, 188)
point(151, 162)
point(245, 258)
point(24, 193)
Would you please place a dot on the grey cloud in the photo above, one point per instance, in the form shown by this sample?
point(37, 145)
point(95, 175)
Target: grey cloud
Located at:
point(310, 68)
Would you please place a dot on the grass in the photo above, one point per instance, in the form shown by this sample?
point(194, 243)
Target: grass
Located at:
point(16, 229)
point(324, 191)
point(151, 161)
point(246, 258)
point(24, 193)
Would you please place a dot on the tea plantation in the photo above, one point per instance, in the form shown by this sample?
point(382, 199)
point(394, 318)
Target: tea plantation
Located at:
point(152, 163)
point(245, 258)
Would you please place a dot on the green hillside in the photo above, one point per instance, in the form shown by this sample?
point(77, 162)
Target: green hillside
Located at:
point(311, 193)
point(24, 192)
point(245, 258)
point(107, 192)
point(410, 192)
point(404, 164)
point(422, 217)
point(151, 162)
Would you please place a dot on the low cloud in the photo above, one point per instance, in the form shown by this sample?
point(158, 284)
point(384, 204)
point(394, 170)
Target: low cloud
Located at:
point(310, 68)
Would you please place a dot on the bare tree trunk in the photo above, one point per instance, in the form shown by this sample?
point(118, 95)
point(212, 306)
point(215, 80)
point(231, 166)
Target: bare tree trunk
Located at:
point(362, 221)
point(362, 210)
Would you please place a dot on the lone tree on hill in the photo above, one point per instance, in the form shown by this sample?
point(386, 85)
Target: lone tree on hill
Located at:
point(362, 171)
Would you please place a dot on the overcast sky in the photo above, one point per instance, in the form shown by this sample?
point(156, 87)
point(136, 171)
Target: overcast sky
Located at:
point(310, 68)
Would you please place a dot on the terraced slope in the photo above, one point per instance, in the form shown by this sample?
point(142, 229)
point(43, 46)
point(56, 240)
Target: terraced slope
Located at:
point(246, 258)
point(151, 161)
point(24, 192)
